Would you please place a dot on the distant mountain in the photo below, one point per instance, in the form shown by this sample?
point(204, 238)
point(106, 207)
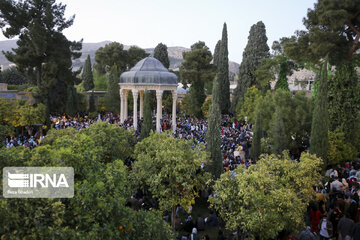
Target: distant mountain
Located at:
point(5, 46)
point(175, 54)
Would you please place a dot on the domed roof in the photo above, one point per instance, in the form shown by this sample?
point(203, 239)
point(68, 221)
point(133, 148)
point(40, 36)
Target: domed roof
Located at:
point(149, 71)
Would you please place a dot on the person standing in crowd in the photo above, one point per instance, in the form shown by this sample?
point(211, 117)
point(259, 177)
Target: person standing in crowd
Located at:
point(326, 228)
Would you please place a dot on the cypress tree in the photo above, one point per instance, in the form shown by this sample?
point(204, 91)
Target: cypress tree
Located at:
point(213, 133)
point(147, 124)
point(217, 53)
point(344, 101)
point(282, 82)
point(278, 133)
point(256, 143)
point(161, 54)
point(320, 121)
point(112, 96)
point(223, 73)
point(255, 50)
point(87, 75)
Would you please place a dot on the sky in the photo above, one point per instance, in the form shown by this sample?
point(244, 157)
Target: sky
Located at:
point(145, 23)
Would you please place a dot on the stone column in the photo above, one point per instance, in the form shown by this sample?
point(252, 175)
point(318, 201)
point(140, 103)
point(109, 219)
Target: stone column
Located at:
point(158, 109)
point(135, 93)
point(126, 105)
point(141, 103)
point(122, 109)
point(174, 99)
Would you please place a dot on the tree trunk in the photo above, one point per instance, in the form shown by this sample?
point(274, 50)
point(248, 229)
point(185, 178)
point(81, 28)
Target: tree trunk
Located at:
point(38, 77)
point(356, 41)
point(28, 128)
point(173, 216)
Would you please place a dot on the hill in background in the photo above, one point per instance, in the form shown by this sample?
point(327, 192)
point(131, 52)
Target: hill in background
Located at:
point(175, 55)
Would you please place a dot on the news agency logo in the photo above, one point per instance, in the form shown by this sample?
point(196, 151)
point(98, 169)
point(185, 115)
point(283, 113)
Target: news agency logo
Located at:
point(38, 182)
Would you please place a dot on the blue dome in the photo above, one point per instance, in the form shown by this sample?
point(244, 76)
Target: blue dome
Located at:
point(149, 71)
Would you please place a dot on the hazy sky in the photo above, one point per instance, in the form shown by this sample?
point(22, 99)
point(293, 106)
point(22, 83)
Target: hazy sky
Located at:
point(146, 23)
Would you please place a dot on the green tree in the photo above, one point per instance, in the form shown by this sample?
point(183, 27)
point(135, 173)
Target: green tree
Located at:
point(332, 29)
point(247, 108)
point(340, 150)
point(320, 121)
point(100, 81)
point(196, 70)
point(217, 53)
point(301, 120)
point(270, 197)
point(223, 73)
point(170, 169)
point(12, 76)
point(161, 54)
point(277, 67)
point(344, 101)
point(109, 55)
point(31, 115)
point(209, 84)
point(256, 144)
point(206, 107)
point(43, 54)
point(147, 124)
point(213, 137)
point(296, 112)
point(135, 54)
point(282, 82)
point(278, 133)
point(112, 96)
point(7, 118)
point(255, 50)
point(102, 190)
point(87, 75)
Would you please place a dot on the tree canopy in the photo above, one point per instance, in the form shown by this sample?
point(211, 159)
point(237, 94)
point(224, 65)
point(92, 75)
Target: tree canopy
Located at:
point(333, 27)
point(161, 54)
point(170, 169)
point(320, 119)
point(87, 75)
point(213, 137)
point(196, 70)
point(223, 73)
point(255, 50)
point(43, 54)
point(102, 190)
point(270, 197)
point(114, 54)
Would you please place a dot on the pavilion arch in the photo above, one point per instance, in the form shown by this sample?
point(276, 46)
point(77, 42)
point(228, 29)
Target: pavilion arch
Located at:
point(147, 74)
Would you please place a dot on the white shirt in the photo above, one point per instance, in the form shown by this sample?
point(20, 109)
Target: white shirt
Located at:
point(336, 185)
point(323, 230)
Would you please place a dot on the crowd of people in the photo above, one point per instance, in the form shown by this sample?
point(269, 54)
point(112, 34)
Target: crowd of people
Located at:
point(236, 137)
point(22, 140)
point(335, 214)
